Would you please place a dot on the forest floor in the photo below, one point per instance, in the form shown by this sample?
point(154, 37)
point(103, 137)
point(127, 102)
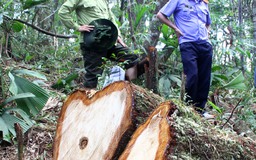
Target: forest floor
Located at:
point(38, 141)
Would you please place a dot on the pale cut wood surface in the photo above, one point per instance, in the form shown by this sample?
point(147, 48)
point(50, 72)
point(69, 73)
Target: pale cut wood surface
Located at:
point(92, 129)
point(151, 139)
point(100, 127)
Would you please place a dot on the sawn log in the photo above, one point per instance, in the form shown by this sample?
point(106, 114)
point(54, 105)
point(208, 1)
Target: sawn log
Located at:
point(176, 132)
point(124, 121)
point(100, 127)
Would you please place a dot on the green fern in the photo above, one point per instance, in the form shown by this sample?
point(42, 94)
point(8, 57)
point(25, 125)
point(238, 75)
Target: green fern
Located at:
point(30, 100)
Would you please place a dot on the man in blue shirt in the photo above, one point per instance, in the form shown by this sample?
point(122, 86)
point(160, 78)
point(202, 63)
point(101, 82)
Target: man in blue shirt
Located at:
point(192, 23)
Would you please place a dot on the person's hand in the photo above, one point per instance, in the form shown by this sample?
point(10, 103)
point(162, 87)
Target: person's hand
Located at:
point(120, 40)
point(86, 28)
point(178, 32)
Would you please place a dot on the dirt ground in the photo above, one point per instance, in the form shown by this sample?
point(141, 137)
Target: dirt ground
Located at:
point(38, 141)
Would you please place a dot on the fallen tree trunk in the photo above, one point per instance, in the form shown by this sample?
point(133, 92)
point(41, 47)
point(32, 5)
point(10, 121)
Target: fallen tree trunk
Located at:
point(152, 139)
point(177, 132)
point(197, 138)
point(100, 127)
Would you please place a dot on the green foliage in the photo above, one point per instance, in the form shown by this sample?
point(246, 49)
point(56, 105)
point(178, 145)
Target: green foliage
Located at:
point(227, 80)
point(249, 110)
point(9, 117)
point(30, 105)
point(169, 37)
point(167, 85)
point(141, 12)
point(18, 96)
point(141, 17)
point(55, 56)
point(236, 83)
point(218, 109)
point(65, 82)
point(29, 99)
point(17, 26)
point(31, 3)
point(29, 73)
point(164, 86)
point(5, 6)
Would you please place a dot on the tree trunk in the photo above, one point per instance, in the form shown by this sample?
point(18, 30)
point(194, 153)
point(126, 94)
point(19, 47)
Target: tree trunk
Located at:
point(154, 27)
point(254, 39)
point(152, 71)
point(101, 126)
point(151, 140)
point(176, 132)
point(240, 21)
point(131, 18)
point(122, 7)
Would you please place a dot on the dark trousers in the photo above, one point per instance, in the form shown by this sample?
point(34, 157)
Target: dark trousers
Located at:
point(197, 62)
point(93, 62)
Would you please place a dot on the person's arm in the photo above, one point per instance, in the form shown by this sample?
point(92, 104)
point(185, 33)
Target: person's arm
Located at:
point(208, 30)
point(208, 21)
point(120, 40)
point(208, 27)
point(65, 14)
point(169, 23)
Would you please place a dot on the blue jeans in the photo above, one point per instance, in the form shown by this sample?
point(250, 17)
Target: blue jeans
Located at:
point(197, 63)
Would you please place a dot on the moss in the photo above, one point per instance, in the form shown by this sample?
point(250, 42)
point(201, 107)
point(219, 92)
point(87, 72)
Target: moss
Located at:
point(198, 138)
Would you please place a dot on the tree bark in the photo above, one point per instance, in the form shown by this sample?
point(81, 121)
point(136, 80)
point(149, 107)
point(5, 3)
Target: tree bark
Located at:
point(154, 27)
point(240, 22)
point(101, 126)
point(131, 18)
point(152, 71)
point(254, 39)
point(175, 132)
point(122, 7)
point(19, 137)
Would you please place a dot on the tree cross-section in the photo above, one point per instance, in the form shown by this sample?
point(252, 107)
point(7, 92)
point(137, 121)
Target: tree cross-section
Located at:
point(100, 127)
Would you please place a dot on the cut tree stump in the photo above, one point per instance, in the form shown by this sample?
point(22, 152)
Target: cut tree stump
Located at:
point(100, 127)
point(126, 122)
point(177, 132)
point(152, 139)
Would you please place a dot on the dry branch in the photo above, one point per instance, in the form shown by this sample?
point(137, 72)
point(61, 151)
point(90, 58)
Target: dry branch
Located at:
point(44, 31)
point(19, 136)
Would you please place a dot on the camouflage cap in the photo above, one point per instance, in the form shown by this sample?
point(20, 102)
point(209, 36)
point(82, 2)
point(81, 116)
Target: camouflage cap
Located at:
point(103, 36)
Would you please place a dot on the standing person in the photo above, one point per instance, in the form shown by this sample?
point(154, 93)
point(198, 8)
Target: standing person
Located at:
point(191, 25)
point(87, 11)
